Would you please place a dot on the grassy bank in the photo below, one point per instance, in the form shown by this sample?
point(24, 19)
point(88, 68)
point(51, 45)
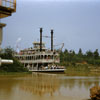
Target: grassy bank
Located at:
point(80, 73)
point(83, 70)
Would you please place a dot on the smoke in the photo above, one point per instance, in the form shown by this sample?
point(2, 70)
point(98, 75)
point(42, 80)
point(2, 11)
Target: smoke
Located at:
point(18, 40)
point(17, 44)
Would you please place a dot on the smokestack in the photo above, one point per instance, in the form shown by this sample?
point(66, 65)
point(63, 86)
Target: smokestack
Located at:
point(40, 39)
point(51, 40)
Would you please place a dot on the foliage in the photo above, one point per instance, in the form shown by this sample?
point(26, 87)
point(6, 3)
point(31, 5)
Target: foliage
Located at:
point(7, 53)
point(70, 58)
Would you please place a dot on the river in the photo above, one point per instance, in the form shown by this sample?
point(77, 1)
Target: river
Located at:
point(43, 86)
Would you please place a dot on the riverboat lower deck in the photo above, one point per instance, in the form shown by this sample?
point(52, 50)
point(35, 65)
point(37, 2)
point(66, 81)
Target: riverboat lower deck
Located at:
point(48, 70)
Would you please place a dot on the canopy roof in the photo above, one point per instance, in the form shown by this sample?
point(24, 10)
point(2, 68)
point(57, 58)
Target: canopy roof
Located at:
point(7, 7)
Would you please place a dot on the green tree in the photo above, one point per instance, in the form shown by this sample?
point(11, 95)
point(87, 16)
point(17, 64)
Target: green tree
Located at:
point(89, 54)
point(16, 66)
point(80, 52)
point(65, 51)
point(96, 54)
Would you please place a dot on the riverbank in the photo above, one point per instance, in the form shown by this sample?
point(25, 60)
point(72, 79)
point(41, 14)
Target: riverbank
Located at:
point(80, 73)
point(15, 73)
point(83, 70)
point(66, 73)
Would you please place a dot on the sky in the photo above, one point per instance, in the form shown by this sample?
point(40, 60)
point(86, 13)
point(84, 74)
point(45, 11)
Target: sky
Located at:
point(76, 23)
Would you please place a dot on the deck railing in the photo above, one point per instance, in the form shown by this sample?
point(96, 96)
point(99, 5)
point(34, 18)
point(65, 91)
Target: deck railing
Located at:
point(8, 4)
point(40, 61)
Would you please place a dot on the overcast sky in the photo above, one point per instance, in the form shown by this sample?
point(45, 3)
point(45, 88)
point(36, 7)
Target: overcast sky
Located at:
point(76, 23)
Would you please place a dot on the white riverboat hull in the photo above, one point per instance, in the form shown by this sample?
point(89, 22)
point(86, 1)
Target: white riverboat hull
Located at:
point(48, 70)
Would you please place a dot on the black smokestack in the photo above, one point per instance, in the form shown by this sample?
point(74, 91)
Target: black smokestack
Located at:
point(40, 39)
point(51, 40)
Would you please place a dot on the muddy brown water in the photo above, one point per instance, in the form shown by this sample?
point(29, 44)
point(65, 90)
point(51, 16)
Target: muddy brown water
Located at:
point(43, 86)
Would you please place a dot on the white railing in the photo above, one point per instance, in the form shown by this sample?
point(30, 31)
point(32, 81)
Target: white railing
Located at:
point(37, 53)
point(40, 61)
point(8, 3)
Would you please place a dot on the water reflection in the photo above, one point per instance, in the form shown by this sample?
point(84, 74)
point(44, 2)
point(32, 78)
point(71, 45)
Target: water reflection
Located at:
point(41, 86)
point(80, 82)
point(59, 85)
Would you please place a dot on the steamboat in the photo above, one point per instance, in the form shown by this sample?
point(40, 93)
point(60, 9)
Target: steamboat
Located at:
point(40, 59)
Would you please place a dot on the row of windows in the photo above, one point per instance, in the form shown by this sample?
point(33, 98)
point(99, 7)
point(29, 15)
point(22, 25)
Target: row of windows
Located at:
point(36, 57)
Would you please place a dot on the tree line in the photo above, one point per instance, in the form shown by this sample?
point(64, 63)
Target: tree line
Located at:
point(70, 57)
